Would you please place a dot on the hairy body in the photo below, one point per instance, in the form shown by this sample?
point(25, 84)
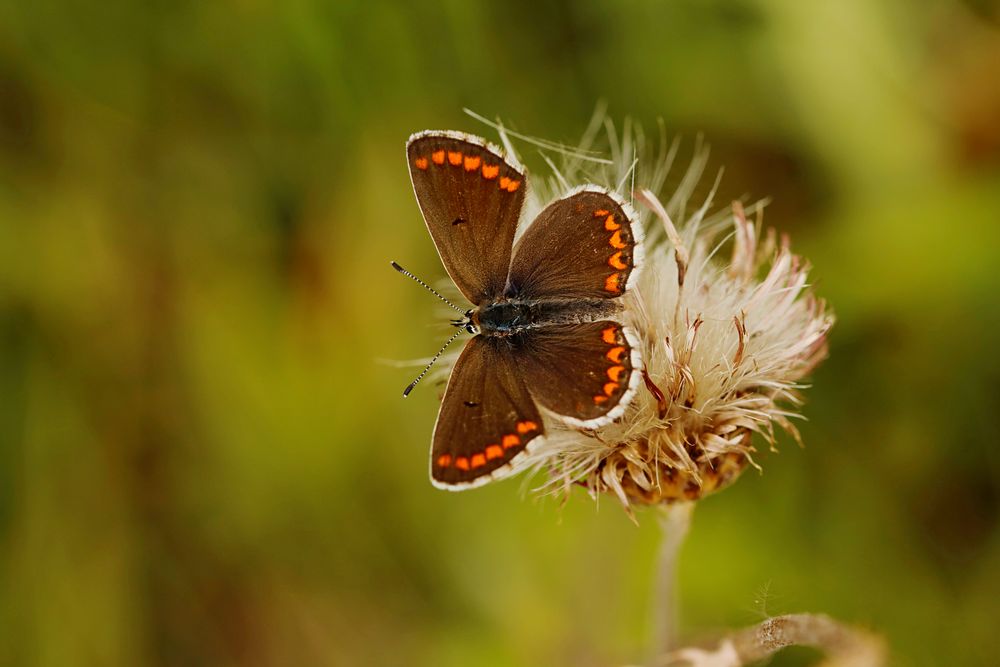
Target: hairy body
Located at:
point(514, 316)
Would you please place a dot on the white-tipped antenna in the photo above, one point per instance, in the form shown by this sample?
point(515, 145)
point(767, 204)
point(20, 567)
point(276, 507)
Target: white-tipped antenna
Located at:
point(426, 286)
point(409, 387)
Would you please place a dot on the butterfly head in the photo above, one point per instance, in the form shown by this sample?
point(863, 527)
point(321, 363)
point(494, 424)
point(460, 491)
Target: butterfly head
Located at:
point(468, 321)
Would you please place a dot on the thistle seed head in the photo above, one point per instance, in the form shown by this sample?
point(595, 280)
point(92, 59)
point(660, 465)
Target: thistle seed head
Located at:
point(729, 328)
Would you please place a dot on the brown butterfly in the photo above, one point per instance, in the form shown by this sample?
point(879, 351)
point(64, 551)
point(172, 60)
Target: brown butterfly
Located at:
point(546, 320)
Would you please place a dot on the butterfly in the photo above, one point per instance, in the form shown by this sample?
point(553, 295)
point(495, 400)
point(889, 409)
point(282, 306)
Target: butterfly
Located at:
point(547, 311)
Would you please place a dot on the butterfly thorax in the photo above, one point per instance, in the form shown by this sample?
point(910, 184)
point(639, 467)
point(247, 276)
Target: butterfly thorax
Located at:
point(508, 317)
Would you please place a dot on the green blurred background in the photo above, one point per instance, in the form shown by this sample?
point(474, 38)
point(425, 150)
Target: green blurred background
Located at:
point(203, 461)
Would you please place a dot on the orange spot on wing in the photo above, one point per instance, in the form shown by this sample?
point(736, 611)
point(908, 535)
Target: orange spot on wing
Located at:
point(494, 452)
point(610, 335)
point(444, 460)
point(600, 214)
point(462, 463)
point(510, 440)
point(438, 157)
point(504, 182)
point(615, 354)
point(615, 261)
point(610, 224)
point(612, 283)
point(421, 162)
point(610, 388)
point(616, 240)
point(513, 185)
point(615, 373)
point(478, 460)
point(490, 171)
point(526, 427)
point(472, 163)
point(600, 399)
point(455, 158)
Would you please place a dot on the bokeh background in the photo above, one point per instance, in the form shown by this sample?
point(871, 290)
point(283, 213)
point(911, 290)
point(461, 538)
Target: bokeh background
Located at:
point(203, 461)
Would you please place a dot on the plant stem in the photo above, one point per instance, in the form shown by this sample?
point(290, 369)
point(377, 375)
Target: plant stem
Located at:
point(845, 646)
point(674, 519)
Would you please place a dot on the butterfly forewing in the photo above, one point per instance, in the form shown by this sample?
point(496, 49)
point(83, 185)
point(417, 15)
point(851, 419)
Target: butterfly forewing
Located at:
point(487, 417)
point(585, 373)
point(583, 246)
point(471, 199)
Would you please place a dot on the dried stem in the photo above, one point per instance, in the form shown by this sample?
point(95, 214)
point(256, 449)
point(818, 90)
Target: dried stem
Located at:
point(675, 519)
point(845, 646)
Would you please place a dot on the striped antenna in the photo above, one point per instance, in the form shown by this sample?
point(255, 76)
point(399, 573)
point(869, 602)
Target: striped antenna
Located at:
point(426, 286)
point(409, 388)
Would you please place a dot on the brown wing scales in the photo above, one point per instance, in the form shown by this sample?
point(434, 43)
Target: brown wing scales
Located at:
point(586, 373)
point(582, 246)
point(471, 199)
point(487, 418)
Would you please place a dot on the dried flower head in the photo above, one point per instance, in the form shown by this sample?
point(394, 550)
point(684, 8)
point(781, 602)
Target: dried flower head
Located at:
point(729, 327)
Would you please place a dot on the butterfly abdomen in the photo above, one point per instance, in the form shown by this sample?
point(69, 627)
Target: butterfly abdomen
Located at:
point(510, 317)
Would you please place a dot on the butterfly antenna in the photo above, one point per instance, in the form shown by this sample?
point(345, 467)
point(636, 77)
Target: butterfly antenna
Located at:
point(426, 287)
point(409, 388)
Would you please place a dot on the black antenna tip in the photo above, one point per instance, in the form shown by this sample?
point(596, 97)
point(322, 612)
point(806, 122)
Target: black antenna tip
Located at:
point(424, 285)
point(406, 392)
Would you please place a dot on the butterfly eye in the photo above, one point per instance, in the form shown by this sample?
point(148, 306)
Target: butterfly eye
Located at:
point(471, 328)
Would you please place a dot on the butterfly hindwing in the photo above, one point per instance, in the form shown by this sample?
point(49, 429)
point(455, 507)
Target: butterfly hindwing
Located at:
point(583, 246)
point(487, 418)
point(585, 373)
point(471, 199)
